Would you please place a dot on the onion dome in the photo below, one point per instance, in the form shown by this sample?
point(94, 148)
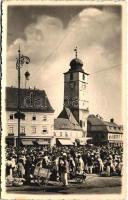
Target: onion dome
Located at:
point(76, 64)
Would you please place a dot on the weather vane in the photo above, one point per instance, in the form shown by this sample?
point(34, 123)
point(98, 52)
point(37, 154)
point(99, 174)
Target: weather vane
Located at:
point(76, 51)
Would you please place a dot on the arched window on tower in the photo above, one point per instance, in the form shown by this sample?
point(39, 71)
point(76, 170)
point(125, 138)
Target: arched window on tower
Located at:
point(71, 76)
point(83, 76)
point(81, 123)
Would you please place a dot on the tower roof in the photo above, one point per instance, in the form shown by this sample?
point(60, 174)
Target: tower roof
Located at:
point(98, 124)
point(66, 121)
point(76, 64)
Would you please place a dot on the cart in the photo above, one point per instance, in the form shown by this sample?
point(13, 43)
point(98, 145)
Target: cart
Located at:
point(78, 177)
point(42, 174)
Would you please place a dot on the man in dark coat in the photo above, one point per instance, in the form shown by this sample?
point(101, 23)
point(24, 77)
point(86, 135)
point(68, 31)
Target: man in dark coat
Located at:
point(27, 167)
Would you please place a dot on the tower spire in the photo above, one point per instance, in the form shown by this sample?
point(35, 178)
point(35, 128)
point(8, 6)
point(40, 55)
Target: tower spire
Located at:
point(76, 51)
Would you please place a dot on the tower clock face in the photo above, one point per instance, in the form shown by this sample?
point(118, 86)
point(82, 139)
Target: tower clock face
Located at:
point(71, 101)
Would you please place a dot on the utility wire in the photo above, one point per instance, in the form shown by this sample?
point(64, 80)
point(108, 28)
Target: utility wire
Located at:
point(96, 72)
point(105, 69)
point(57, 46)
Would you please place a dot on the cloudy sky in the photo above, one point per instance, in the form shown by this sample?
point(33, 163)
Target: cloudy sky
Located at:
point(49, 34)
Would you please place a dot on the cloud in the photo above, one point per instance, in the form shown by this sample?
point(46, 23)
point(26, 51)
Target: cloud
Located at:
point(97, 33)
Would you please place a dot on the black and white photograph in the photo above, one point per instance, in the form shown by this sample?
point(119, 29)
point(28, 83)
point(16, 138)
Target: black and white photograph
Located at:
point(63, 94)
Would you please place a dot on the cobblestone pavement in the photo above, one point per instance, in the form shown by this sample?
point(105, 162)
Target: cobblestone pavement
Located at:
point(92, 185)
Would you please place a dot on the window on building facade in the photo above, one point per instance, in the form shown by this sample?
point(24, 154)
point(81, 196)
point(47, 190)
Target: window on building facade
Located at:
point(34, 117)
point(60, 134)
point(10, 129)
point(54, 133)
point(34, 130)
point(11, 117)
point(44, 130)
point(46, 140)
point(71, 76)
point(22, 129)
point(66, 134)
point(45, 118)
point(23, 118)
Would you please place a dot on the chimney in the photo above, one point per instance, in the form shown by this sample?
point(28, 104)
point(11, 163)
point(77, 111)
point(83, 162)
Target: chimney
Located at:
point(112, 120)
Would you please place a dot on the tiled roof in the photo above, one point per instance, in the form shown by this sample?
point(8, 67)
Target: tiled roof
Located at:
point(95, 121)
point(98, 124)
point(31, 100)
point(66, 121)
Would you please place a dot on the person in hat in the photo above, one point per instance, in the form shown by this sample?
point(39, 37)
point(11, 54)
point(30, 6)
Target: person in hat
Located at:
point(20, 168)
point(79, 164)
point(28, 166)
point(64, 169)
point(89, 163)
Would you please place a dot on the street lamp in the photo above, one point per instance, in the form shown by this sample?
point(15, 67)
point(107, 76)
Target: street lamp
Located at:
point(19, 115)
point(27, 75)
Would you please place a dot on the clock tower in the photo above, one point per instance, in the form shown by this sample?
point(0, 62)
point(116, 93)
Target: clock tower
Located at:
point(75, 91)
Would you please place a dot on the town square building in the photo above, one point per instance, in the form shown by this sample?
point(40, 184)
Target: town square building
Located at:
point(38, 123)
point(66, 128)
point(103, 132)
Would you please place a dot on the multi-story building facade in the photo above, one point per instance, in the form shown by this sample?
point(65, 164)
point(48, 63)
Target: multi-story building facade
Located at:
point(103, 132)
point(66, 128)
point(38, 124)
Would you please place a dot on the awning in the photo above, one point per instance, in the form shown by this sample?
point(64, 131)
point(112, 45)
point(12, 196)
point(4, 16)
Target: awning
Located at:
point(88, 138)
point(115, 141)
point(27, 142)
point(65, 142)
point(42, 142)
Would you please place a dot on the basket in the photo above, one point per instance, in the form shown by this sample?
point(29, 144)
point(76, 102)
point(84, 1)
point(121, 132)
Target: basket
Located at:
point(42, 172)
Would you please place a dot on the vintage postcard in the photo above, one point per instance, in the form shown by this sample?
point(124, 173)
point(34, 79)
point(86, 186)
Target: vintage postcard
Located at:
point(63, 100)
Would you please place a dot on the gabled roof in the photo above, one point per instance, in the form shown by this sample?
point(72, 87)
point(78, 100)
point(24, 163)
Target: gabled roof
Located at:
point(95, 120)
point(31, 100)
point(66, 121)
point(98, 124)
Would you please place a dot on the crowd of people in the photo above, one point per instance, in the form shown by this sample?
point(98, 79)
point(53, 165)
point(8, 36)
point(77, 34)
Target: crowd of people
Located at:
point(64, 162)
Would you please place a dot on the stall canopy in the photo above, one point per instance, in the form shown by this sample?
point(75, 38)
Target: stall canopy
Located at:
point(27, 142)
point(42, 142)
point(65, 142)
